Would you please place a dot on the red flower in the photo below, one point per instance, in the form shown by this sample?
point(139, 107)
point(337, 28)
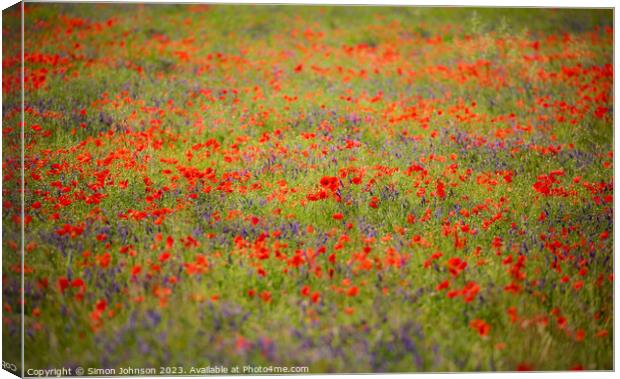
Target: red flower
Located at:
point(443, 285)
point(101, 305)
point(63, 283)
point(374, 202)
point(524, 367)
point(353, 291)
point(480, 326)
point(578, 284)
point(164, 256)
point(580, 335)
point(305, 291)
point(602, 333)
point(265, 296)
point(315, 297)
point(456, 265)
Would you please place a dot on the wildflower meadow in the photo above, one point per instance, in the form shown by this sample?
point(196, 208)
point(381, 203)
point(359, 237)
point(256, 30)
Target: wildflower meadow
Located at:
point(341, 188)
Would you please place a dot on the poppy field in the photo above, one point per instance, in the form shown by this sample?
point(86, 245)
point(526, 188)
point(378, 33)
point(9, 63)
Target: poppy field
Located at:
point(347, 189)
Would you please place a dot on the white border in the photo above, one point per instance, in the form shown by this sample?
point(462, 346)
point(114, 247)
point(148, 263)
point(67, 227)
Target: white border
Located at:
point(485, 3)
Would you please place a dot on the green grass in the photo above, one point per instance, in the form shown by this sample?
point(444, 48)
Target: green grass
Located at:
point(147, 107)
